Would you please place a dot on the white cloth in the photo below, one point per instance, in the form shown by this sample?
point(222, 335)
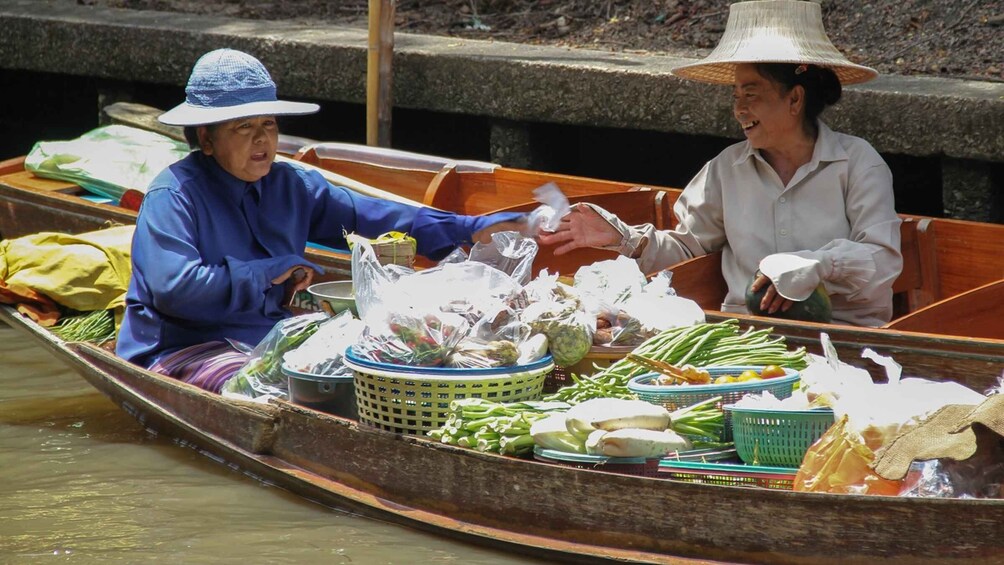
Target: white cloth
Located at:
point(837, 210)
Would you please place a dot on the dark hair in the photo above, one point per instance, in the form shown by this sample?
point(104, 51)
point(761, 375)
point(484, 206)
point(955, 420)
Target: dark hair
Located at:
point(822, 87)
point(192, 136)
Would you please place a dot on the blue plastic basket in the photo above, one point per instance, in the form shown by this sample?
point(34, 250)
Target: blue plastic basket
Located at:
point(674, 397)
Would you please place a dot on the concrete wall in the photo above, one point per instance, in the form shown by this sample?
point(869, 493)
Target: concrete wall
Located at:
point(959, 121)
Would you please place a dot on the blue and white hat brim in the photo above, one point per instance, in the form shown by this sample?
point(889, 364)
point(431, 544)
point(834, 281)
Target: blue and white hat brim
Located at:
point(186, 114)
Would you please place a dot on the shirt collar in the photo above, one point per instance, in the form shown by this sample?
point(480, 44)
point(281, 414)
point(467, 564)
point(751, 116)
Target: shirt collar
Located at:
point(827, 149)
point(230, 186)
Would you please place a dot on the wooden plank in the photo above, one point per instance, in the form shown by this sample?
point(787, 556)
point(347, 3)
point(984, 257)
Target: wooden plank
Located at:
point(975, 313)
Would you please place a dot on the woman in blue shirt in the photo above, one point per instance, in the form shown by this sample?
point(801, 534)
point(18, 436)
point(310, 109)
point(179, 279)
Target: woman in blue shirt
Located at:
point(221, 232)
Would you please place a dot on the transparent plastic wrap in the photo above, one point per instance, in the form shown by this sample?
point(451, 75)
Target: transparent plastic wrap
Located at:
point(869, 417)
point(322, 352)
point(411, 338)
point(979, 476)
point(554, 206)
point(510, 253)
point(494, 341)
point(262, 374)
point(557, 312)
point(628, 313)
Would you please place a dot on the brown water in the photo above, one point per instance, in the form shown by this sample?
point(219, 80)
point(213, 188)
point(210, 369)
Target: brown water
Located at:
point(82, 482)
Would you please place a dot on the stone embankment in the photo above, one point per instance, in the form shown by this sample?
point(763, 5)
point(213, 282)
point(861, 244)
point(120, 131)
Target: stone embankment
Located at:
point(957, 123)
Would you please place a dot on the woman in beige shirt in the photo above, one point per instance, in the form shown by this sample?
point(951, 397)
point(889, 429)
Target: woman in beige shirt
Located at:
point(801, 203)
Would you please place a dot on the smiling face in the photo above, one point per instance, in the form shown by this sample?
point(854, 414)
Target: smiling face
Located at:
point(244, 148)
point(770, 118)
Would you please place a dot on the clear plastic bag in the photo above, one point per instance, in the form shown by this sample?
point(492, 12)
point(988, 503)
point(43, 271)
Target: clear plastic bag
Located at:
point(262, 374)
point(510, 253)
point(557, 312)
point(322, 353)
point(418, 340)
point(554, 206)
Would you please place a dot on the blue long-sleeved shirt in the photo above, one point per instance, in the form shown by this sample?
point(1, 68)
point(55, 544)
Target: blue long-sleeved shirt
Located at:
point(207, 246)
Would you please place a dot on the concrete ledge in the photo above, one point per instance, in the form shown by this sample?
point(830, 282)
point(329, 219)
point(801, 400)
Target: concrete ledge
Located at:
point(907, 115)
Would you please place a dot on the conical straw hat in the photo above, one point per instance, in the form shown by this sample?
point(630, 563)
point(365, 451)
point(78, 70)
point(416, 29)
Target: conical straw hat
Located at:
point(773, 31)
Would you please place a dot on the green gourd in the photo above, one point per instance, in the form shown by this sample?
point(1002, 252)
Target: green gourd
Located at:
point(815, 308)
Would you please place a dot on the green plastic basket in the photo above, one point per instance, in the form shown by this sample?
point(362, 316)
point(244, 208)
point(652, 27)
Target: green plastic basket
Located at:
point(728, 474)
point(776, 437)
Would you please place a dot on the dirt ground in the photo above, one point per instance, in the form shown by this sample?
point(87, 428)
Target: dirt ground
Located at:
point(955, 38)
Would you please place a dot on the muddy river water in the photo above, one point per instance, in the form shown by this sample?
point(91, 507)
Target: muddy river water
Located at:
point(82, 482)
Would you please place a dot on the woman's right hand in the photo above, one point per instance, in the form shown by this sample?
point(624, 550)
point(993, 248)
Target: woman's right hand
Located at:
point(581, 227)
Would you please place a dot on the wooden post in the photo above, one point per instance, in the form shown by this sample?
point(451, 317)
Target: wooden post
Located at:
point(379, 72)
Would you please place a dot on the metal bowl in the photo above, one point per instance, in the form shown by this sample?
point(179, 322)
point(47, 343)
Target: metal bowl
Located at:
point(334, 297)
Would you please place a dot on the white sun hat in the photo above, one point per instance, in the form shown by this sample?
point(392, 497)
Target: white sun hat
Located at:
point(773, 31)
point(227, 84)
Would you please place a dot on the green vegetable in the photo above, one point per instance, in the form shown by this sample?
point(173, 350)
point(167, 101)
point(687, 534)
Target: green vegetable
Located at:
point(490, 426)
point(97, 326)
point(815, 308)
point(701, 345)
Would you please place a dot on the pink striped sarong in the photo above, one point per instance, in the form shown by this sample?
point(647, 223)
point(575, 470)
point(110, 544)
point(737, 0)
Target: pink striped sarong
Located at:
point(205, 365)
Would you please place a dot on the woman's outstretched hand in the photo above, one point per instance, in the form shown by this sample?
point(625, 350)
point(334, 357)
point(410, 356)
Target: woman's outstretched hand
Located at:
point(772, 301)
point(581, 227)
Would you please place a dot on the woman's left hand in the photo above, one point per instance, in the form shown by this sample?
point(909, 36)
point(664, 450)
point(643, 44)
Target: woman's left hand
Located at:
point(772, 301)
point(295, 279)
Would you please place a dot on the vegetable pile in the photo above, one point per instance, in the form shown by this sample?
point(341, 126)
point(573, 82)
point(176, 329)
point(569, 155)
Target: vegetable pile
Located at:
point(703, 345)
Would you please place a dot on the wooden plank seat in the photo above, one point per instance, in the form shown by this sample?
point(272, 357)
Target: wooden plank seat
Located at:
point(975, 313)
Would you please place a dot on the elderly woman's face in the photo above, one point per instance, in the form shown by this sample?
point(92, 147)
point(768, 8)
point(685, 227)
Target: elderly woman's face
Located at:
point(768, 116)
point(244, 148)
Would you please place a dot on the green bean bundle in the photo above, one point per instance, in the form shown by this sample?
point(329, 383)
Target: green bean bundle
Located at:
point(701, 345)
point(97, 326)
point(489, 426)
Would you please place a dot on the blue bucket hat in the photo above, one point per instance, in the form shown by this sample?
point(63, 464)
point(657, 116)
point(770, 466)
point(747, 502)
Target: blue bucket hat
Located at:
point(226, 85)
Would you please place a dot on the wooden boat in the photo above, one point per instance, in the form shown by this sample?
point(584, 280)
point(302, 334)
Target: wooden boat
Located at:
point(544, 510)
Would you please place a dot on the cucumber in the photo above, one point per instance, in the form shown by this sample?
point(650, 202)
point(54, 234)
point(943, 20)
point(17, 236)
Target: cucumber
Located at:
point(815, 308)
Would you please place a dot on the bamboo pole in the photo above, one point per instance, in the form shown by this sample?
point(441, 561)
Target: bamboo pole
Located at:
point(379, 72)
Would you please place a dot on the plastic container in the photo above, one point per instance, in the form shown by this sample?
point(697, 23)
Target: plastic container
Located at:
point(331, 394)
point(334, 297)
point(416, 400)
point(674, 397)
point(624, 465)
point(728, 474)
point(777, 437)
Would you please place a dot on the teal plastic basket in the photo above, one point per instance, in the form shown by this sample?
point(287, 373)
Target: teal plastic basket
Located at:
point(776, 437)
point(674, 397)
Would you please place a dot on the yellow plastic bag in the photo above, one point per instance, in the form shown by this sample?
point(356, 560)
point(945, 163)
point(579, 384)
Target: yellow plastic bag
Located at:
point(840, 462)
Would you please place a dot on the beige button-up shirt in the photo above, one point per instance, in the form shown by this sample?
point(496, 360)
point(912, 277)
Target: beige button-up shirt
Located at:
point(837, 211)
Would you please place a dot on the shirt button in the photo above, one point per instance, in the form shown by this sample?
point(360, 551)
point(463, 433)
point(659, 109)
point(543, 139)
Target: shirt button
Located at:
point(784, 232)
point(782, 199)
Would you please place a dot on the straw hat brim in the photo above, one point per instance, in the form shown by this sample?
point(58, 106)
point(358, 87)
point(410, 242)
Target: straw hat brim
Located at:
point(773, 31)
point(724, 72)
point(186, 114)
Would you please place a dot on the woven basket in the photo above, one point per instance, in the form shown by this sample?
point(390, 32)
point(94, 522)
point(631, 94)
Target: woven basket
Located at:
point(599, 357)
point(416, 400)
point(674, 397)
point(776, 437)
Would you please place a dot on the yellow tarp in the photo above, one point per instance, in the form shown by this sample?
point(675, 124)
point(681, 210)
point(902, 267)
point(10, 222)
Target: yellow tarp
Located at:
point(85, 272)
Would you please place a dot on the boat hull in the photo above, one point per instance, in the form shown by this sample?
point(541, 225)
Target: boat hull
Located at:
point(549, 511)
